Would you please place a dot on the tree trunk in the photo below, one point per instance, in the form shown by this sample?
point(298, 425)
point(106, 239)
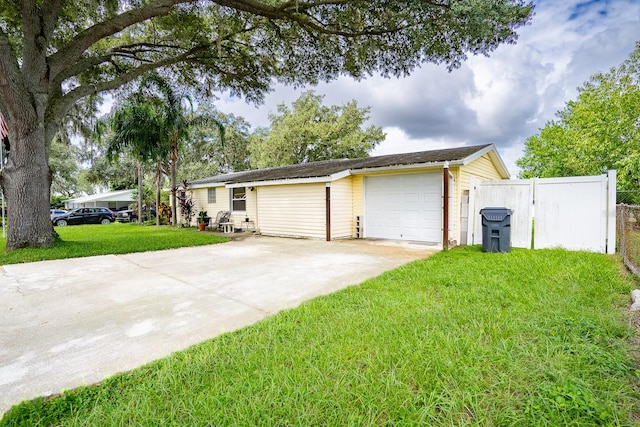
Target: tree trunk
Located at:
point(158, 189)
point(174, 185)
point(26, 182)
point(140, 193)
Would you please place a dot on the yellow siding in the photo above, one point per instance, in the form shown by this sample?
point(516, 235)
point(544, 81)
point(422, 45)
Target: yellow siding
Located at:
point(294, 210)
point(200, 198)
point(482, 168)
point(342, 218)
point(223, 203)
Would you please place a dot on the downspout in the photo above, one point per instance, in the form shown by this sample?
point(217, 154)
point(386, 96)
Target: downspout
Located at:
point(445, 204)
point(328, 210)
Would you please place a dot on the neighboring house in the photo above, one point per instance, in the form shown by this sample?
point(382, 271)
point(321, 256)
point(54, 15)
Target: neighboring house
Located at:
point(113, 200)
point(398, 196)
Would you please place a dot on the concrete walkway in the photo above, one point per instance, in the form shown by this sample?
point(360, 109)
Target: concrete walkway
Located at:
point(75, 322)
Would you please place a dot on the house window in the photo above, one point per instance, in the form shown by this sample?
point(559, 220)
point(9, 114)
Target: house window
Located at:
point(211, 195)
point(239, 199)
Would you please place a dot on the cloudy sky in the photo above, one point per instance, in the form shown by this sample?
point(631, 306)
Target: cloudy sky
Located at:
point(502, 99)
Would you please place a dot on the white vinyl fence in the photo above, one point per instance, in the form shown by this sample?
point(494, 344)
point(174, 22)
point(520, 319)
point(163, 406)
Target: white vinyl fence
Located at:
point(577, 213)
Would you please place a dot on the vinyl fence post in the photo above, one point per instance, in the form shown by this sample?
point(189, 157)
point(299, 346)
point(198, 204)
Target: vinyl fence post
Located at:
point(611, 212)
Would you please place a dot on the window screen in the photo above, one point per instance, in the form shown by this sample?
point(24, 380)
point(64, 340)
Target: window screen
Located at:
point(239, 199)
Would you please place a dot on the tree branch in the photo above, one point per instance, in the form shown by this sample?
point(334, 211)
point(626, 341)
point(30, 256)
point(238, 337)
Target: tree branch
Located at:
point(12, 88)
point(50, 13)
point(74, 49)
point(296, 11)
point(64, 104)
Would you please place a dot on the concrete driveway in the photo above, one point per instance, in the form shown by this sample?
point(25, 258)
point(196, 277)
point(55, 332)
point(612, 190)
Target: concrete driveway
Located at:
point(75, 322)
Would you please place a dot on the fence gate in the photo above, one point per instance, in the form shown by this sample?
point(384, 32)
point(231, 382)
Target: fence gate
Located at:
point(576, 213)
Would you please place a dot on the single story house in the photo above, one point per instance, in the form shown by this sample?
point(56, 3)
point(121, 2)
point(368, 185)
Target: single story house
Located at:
point(113, 200)
point(398, 196)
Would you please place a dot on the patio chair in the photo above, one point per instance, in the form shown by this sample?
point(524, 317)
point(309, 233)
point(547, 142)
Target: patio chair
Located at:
point(221, 217)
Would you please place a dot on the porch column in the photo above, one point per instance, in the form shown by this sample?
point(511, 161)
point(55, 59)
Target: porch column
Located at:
point(328, 210)
point(445, 204)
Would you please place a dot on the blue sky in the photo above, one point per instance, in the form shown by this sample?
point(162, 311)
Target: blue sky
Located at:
point(502, 99)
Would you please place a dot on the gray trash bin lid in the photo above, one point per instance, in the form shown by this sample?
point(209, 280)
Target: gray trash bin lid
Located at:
point(495, 214)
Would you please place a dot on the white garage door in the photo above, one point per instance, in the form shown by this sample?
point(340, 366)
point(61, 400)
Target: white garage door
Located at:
point(404, 207)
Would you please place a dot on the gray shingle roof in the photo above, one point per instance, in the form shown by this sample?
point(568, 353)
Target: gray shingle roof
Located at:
point(330, 167)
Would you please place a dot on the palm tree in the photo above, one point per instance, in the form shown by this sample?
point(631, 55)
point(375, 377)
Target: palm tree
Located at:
point(138, 126)
point(151, 124)
point(176, 124)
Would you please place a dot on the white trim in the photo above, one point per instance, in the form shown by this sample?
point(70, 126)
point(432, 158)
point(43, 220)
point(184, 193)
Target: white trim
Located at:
point(112, 196)
point(412, 167)
point(471, 216)
point(280, 182)
point(206, 185)
point(611, 212)
point(339, 175)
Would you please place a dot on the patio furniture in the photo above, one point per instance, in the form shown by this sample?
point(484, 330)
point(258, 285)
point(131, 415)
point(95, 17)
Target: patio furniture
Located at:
point(221, 218)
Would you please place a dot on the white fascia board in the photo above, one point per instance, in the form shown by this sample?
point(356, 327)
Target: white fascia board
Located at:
point(280, 182)
point(401, 168)
point(207, 185)
point(312, 180)
point(340, 175)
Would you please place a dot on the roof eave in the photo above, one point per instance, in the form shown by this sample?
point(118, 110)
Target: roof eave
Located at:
point(206, 185)
point(290, 181)
point(414, 166)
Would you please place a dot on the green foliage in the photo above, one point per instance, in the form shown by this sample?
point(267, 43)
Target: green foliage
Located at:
point(311, 132)
point(186, 203)
point(120, 175)
point(63, 161)
point(137, 126)
point(527, 338)
point(202, 215)
point(57, 201)
point(205, 154)
point(148, 196)
point(600, 130)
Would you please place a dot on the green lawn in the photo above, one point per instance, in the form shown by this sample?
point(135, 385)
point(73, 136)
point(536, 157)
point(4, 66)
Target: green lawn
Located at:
point(529, 338)
point(88, 240)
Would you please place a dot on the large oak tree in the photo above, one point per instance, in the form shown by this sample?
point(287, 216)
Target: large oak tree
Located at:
point(56, 52)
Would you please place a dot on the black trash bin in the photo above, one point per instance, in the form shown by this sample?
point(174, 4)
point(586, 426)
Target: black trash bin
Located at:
point(496, 229)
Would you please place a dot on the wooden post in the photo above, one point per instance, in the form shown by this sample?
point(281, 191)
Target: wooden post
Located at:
point(445, 204)
point(328, 211)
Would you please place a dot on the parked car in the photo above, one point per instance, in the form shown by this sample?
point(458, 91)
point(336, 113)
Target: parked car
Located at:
point(131, 215)
point(127, 215)
point(56, 212)
point(85, 216)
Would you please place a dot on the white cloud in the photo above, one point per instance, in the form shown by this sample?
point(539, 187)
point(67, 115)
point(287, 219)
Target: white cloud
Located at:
point(502, 99)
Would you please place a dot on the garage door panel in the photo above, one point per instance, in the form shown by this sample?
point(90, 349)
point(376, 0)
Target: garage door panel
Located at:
point(404, 207)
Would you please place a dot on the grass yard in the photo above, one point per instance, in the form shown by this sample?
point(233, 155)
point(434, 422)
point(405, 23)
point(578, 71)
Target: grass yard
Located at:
point(88, 240)
point(529, 338)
